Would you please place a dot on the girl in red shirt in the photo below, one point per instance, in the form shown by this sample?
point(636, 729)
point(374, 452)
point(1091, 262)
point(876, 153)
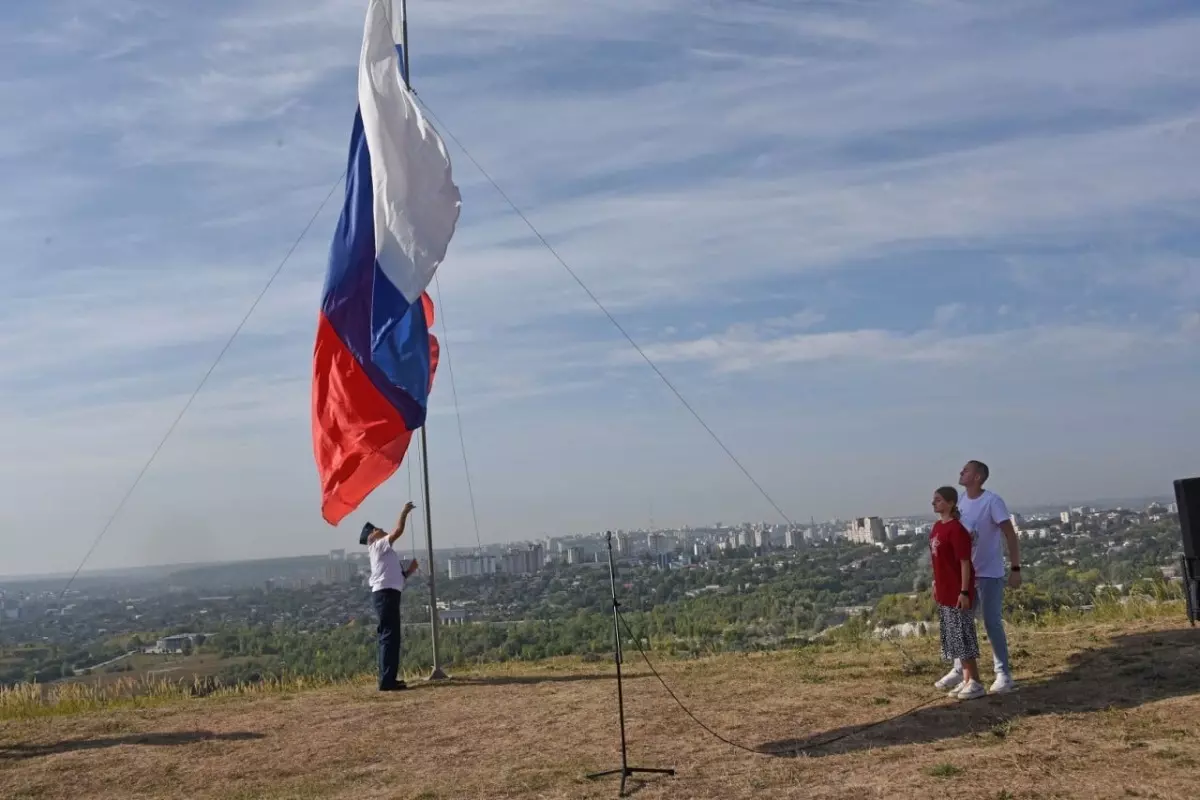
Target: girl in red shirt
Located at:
point(954, 591)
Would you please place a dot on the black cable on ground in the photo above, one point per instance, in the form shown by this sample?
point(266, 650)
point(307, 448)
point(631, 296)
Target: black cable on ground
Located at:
point(756, 751)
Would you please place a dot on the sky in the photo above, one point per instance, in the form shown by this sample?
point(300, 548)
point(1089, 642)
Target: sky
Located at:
point(867, 240)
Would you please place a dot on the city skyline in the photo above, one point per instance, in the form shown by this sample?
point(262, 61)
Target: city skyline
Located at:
point(866, 242)
point(498, 548)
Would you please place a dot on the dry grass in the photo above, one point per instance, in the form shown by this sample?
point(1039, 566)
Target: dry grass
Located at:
point(30, 700)
point(161, 667)
point(1104, 711)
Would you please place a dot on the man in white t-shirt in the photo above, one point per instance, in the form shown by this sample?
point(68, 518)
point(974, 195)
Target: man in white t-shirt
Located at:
point(986, 516)
point(387, 579)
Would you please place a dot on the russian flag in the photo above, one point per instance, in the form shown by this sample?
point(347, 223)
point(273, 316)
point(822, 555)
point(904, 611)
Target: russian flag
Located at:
point(375, 357)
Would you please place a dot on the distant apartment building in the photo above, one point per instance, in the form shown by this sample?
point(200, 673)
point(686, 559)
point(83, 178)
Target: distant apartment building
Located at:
point(790, 538)
point(523, 561)
point(575, 555)
point(474, 564)
point(866, 530)
point(337, 569)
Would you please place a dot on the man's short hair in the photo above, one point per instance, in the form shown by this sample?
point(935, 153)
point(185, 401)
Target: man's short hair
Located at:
point(981, 468)
point(367, 530)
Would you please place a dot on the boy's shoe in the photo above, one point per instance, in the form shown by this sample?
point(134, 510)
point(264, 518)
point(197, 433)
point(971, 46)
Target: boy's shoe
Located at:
point(1003, 683)
point(969, 691)
point(951, 680)
point(398, 686)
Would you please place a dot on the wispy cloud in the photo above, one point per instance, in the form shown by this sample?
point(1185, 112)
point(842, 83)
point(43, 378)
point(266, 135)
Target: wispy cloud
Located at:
point(744, 348)
point(786, 204)
point(947, 313)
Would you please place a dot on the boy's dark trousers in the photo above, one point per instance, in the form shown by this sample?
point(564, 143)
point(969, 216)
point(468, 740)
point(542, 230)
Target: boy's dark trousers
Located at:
point(387, 606)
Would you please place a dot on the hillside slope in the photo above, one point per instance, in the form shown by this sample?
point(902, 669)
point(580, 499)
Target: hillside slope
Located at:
point(1103, 711)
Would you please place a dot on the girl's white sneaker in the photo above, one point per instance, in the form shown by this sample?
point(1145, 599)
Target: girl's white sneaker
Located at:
point(969, 691)
point(951, 680)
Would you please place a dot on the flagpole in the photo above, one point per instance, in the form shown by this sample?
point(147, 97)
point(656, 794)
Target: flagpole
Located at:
point(404, 41)
point(437, 674)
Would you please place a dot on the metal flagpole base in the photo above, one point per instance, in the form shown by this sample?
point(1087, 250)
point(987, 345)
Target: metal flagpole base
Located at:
point(438, 675)
point(628, 772)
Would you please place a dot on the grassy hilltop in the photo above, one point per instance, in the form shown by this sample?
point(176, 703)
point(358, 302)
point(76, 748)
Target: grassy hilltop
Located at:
point(1109, 706)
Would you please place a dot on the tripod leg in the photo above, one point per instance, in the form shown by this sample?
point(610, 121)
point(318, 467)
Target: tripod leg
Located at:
point(625, 771)
point(650, 771)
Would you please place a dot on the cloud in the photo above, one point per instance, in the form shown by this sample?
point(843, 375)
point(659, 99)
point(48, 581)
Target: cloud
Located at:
point(745, 348)
point(801, 319)
point(788, 206)
point(947, 313)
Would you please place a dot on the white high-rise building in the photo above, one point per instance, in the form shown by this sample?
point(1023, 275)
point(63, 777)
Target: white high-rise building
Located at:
point(866, 530)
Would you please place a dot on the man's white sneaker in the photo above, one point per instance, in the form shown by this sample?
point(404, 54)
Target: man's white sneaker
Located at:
point(1003, 683)
point(970, 691)
point(950, 680)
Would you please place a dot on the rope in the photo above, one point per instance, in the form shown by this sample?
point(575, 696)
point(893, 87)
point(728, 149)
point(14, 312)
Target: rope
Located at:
point(462, 442)
point(187, 405)
point(605, 311)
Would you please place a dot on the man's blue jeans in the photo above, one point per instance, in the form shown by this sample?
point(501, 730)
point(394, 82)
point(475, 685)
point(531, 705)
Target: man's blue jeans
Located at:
point(990, 594)
point(387, 606)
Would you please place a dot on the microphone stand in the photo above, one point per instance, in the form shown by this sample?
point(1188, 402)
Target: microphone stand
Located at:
point(625, 770)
